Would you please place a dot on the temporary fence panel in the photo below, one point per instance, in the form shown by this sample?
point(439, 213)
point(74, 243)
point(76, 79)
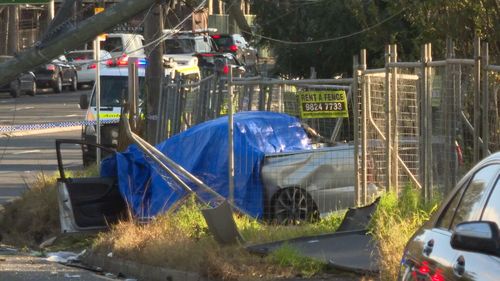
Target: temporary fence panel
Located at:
point(295, 184)
point(425, 123)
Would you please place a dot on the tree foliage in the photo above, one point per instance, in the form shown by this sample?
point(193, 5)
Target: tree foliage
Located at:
point(373, 23)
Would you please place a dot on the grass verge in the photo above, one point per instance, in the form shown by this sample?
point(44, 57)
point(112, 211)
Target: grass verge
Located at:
point(181, 240)
point(34, 217)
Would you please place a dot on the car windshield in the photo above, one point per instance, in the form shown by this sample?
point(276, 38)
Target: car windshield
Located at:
point(114, 90)
point(179, 46)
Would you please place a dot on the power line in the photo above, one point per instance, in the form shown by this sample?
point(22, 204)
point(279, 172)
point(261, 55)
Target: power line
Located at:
point(329, 39)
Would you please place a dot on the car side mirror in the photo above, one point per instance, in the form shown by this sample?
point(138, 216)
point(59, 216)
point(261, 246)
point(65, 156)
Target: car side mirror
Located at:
point(84, 101)
point(477, 236)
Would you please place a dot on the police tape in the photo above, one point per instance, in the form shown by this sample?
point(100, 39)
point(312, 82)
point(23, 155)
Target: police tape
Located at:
point(50, 125)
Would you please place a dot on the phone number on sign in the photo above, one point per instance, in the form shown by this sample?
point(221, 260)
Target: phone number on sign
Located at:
point(323, 106)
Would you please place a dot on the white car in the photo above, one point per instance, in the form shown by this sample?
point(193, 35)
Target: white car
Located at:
point(85, 64)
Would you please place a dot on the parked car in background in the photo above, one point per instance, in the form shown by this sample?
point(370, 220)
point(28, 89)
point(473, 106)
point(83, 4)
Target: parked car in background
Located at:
point(237, 45)
point(57, 74)
point(24, 83)
point(461, 241)
point(83, 61)
point(182, 47)
point(121, 46)
point(220, 63)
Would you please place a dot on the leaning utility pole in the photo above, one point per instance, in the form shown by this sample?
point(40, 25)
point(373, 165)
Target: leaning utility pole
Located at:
point(86, 31)
point(153, 28)
point(13, 37)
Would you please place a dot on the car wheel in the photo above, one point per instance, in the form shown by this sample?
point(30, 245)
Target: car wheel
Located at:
point(74, 83)
point(32, 90)
point(294, 206)
point(57, 85)
point(15, 88)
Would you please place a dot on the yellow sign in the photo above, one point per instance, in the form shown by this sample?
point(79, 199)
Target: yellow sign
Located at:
point(323, 104)
point(98, 10)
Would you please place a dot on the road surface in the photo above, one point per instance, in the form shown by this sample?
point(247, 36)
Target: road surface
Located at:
point(25, 154)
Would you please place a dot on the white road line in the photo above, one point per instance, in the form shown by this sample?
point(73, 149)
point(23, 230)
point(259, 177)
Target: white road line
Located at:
point(22, 108)
point(27, 152)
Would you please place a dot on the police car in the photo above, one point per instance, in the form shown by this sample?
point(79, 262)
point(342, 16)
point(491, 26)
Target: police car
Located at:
point(114, 92)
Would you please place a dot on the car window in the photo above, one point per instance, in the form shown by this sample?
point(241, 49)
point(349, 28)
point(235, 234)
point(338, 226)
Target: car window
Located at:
point(474, 195)
point(223, 41)
point(179, 46)
point(114, 90)
point(444, 221)
point(112, 44)
point(76, 56)
point(202, 46)
point(492, 209)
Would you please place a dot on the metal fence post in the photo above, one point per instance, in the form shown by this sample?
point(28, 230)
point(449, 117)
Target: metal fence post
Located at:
point(364, 130)
point(388, 123)
point(428, 132)
point(486, 101)
point(394, 121)
point(355, 112)
point(423, 121)
point(477, 97)
point(230, 130)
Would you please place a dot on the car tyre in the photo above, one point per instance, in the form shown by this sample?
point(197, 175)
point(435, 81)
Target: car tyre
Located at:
point(294, 206)
point(57, 85)
point(32, 90)
point(74, 83)
point(15, 88)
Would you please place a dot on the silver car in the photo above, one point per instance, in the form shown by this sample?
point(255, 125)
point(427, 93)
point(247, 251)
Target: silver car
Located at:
point(307, 184)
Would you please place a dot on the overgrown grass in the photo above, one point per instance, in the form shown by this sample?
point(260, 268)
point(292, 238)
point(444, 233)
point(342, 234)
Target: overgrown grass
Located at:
point(394, 222)
point(34, 217)
point(181, 240)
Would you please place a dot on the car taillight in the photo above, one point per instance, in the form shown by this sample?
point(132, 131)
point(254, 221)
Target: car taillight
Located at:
point(424, 268)
point(225, 69)
point(233, 48)
point(437, 276)
point(91, 66)
point(122, 61)
point(51, 67)
point(207, 55)
point(110, 63)
point(217, 36)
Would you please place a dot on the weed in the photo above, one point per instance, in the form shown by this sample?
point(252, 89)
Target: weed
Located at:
point(395, 220)
point(287, 256)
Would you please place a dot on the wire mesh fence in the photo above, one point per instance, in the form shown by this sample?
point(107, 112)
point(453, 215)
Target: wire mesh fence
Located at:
point(290, 164)
point(425, 123)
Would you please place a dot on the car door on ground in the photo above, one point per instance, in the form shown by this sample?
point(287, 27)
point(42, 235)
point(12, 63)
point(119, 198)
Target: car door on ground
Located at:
point(431, 251)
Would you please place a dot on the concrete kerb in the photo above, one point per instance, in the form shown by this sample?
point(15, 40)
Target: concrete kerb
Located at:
point(39, 132)
point(139, 271)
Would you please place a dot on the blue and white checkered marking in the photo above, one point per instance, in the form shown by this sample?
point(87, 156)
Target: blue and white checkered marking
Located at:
point(49, 125)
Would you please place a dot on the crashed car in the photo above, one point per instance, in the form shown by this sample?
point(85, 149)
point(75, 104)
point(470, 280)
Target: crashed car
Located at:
point(280, 174)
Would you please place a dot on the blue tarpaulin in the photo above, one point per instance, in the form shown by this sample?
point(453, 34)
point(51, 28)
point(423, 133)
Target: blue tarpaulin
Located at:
point(203, 151)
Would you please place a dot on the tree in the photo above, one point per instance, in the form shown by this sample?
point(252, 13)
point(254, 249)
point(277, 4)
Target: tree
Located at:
point(374, 23)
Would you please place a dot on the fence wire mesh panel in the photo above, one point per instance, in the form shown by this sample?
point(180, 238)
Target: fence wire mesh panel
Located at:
point(291, 166)
point(426, 123)
point(493, 91)
point(407, 125)
point(373, 88)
